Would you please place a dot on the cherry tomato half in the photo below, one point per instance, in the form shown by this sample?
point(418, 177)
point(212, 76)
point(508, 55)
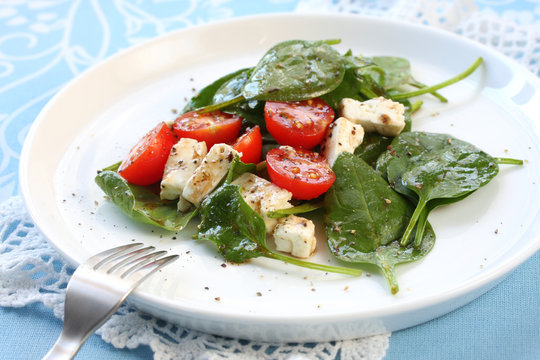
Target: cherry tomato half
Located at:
point(146, 160)
point(213, 128)
point(300, 123)
point(250, 145)
point(304, 173)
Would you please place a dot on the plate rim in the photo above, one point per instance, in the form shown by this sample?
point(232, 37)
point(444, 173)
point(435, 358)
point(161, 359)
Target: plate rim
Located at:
point(488, 277)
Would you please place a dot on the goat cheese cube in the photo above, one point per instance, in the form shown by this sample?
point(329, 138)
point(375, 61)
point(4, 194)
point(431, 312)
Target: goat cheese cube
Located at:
point(382, 115)
point(186, 155)
point(183, 205)
point(207, 176)
point(342, 136)
point(263, 197)
point(295, 235)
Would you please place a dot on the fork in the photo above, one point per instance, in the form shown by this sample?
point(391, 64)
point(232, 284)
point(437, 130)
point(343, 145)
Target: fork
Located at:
point(98, 287)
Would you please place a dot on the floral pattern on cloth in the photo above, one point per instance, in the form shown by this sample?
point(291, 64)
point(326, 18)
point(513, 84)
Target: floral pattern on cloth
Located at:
point(54, 41)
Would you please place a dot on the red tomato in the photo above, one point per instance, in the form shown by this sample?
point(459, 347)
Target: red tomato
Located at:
point(250, 145)
point(300, 123)
point(212, 128)
point(146, 160)
point(304, 173)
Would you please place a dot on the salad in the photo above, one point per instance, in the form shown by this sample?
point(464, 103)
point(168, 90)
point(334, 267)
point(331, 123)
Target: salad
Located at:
point(307, 129)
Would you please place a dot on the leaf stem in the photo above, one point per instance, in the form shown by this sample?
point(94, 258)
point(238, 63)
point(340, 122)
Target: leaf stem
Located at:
point(214, 107)
point(508, 161)
point(416, 106)
point(390, 275)
point(315, 266)
point(420, 228)
point(419, 85)
point(298, 209)
point(368, 93)
point(432, 88)
point(414, 219)
point(333, 41)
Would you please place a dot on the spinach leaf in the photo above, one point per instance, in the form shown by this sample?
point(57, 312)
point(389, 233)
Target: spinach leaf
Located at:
point(398, 73)
point(397, 70)
point(141, 204)
point(232, 87)
point(240, 233)
point(435, 169)
point(350, 87)
point(372, 147)
point(229, 222)
point(354, 86)
point(308, 206)
point(206, 96)
point(238, 168)
point(374, 144)
point(365, 219)
point(251, 111)
point(295, 70)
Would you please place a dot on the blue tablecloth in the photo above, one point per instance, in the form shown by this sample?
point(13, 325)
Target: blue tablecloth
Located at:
point(502, 324)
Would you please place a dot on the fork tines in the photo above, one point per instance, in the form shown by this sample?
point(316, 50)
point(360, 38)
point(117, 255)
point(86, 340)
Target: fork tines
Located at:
point(130, 259)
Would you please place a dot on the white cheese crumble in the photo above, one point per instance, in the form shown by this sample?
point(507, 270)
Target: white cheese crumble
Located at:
point(295, 235)
point(186, 155)
point(207, 176)
point(342, 136)
point(382, 115)
point(263, 197)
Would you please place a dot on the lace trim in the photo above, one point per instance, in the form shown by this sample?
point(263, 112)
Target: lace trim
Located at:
point(519, 42)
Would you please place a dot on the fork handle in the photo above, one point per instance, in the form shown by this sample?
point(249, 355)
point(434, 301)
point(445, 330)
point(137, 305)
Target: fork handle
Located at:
point(64, 348)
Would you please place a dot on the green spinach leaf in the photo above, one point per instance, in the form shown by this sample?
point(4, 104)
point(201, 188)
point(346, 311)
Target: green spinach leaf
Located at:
point(398, 74)
point(354, 86)
point(232, 87)
point(141, 204)
point(372, 147)
point(237, 230)
point(365, 219)
point(430, 167)
point(308, 206)
point(397, 70)
point(238, 168)
point(207, 95)
point(251, 111)
point(295, 70)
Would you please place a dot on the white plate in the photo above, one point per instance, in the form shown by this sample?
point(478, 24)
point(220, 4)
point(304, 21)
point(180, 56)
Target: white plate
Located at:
point(94, 121)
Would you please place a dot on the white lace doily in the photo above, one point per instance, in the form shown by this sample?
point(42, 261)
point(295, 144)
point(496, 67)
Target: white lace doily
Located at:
point(31, 271)
point(520, 42)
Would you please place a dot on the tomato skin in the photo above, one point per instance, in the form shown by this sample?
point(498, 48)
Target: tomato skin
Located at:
point(146, 160)
point(213, 128)
point(305, 173)
point(300, 124)
point(250, 145)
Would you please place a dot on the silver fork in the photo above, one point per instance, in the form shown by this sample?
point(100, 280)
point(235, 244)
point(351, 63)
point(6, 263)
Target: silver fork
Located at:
point(98, 287)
